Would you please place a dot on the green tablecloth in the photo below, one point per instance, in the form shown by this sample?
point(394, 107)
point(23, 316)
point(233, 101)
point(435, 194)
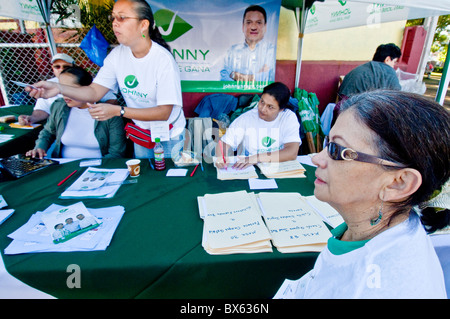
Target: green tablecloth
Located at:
point(156, 251)
point(24, 139)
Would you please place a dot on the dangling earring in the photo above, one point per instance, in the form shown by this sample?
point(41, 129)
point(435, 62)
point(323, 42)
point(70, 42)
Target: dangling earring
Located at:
point(377, 220)
point(143, 35)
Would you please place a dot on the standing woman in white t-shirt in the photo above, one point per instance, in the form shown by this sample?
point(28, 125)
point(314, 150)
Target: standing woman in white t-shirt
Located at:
point(144, 70)
point(267, 133)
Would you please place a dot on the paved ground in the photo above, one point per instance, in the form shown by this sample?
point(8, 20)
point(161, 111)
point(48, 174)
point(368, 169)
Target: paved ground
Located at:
point(432, 85)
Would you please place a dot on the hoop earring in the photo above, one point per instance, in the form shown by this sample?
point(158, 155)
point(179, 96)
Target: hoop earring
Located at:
point(377, 220)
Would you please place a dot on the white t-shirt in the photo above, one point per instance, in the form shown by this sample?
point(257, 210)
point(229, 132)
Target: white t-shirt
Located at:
point(45, 104)
point(145, 82)
point(398, 263)
point(259, 136)
point(78, 139)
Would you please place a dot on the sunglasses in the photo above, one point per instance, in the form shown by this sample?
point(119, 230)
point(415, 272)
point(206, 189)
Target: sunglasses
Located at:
point(341, 153)
point(57, 66)
point(120, 19)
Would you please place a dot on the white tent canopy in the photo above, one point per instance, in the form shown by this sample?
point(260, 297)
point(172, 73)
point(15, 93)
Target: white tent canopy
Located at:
point(33, 10)
point(315, 16)
point(21, 9)
point(330, 15)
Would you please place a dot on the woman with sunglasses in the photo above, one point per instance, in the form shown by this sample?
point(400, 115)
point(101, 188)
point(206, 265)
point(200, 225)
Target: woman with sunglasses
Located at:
point(387, 153)
point(144, 70)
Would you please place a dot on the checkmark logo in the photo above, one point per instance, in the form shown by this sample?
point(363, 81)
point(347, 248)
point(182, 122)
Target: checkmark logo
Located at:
point(267, 141)
point(131, 81)
point(170, 24)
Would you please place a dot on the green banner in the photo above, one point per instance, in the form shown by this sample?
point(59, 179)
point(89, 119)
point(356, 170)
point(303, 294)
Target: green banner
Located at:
point(223, 86)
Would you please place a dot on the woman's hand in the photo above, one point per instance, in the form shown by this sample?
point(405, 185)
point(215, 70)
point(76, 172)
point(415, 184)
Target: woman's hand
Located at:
point(39, 152)
point(43, 89)
point(24, 120)
point(103, 111)
point(219, 163)
point(245, 161)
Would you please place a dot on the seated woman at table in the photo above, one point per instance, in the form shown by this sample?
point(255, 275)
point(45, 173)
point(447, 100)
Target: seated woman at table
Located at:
point(75, 133)
point(268, 133)
point(387, 154)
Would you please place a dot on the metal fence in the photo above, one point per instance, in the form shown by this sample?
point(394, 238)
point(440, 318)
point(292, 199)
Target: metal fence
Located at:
point(25, 55)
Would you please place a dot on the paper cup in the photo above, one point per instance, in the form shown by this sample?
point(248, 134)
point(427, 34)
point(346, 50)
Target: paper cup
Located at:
point(134, 167)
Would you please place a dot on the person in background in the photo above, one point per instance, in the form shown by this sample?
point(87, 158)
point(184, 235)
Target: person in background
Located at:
point(146, 73)
point(268, 132)
point(41, 109)
point(75, 133)
point(376, 74)
point(387, 153)
point(253, 60)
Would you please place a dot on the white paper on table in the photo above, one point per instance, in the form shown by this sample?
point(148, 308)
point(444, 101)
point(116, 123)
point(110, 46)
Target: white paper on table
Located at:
point(177, 172)
point(5, 214)
point(33, 237)
point(256, 183)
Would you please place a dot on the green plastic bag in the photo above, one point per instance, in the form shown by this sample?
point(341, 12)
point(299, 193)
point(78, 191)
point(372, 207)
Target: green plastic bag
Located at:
point(309, 112)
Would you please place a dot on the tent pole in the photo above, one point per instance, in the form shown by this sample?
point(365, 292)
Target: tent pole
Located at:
point(301, 23)
point(443, 83)
point(50, 39)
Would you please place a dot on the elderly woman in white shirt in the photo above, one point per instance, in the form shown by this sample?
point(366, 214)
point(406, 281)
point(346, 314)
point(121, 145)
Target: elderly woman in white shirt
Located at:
point(387, 153)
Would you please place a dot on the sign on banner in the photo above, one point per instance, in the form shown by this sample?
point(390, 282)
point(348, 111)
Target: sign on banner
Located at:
point(209, 41)
point(339, 14)
point(21, 9)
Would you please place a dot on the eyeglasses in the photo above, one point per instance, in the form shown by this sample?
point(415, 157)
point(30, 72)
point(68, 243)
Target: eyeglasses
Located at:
point(57, 66)
point(341, 153)
point(120, 19)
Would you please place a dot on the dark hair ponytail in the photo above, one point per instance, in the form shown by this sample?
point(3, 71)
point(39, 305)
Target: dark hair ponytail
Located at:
point(82, 77)
point(144, 12)
point(434, 219)
point(156, 36)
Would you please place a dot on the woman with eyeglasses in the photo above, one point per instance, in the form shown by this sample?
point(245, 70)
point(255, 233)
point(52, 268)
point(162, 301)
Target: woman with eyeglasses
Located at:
point(267, 133)
point(144, 70)
point(386, 155)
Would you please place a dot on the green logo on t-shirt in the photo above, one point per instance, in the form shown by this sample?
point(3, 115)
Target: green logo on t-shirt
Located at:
point(131, 81)
point(267, 141)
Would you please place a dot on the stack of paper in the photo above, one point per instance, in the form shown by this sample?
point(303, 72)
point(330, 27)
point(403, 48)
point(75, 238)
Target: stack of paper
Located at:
point(96, 183)
point(328, 213)
point(34, 236)
point(289, 169)
point(230, 173)
point(4, 213)
point(293, 225)
point(233, 224)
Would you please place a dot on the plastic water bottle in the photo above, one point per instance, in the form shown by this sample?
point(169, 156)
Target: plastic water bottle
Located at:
point(158, 150)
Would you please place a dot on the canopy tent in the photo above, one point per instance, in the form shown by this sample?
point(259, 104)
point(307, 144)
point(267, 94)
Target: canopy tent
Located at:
point(34, 10)
point(315, 16)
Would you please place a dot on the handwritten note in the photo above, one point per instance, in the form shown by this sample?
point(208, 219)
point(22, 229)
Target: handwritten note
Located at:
point(292, 223)
point(328, 213)
point(288, 169)
point(233, 223)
